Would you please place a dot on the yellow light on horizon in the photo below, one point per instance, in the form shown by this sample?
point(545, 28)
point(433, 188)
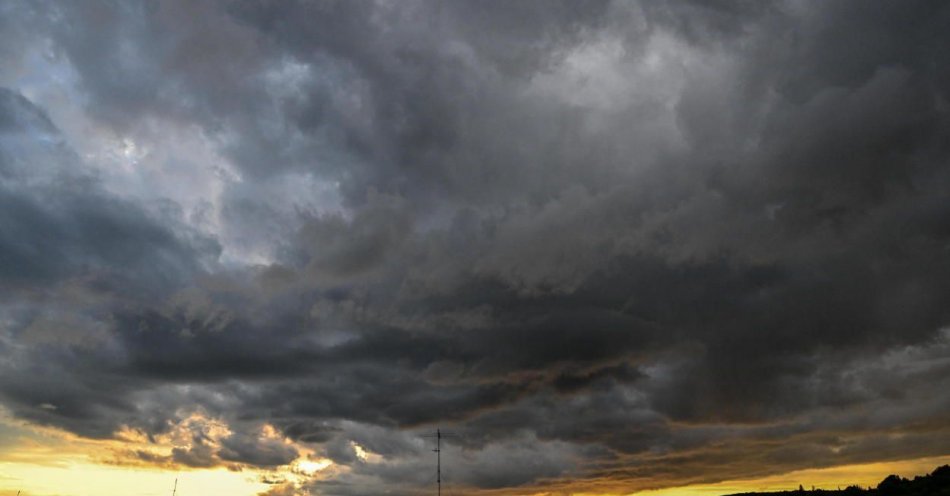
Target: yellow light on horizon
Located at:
point(92, 479)
point(864, 475)
point(48, 462)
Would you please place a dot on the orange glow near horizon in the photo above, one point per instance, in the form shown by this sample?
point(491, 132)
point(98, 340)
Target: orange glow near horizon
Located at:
point(864, 475)
point(75, 478)
point(72, 477)
point(42, 461)
point(48, 462)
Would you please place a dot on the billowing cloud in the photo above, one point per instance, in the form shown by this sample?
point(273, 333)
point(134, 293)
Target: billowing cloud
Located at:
point(607, 245)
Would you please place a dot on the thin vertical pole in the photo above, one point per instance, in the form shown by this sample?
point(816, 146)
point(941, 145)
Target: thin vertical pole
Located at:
point(438, 453)
point(175, 489)
point(438, 457)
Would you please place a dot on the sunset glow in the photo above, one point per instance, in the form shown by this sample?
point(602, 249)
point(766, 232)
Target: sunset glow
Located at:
point(482, 247)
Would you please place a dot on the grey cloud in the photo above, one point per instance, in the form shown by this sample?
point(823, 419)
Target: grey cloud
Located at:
point(58, 223)
point(197, 456)
point(656, 243)
point(259, 452)
point(72, 254)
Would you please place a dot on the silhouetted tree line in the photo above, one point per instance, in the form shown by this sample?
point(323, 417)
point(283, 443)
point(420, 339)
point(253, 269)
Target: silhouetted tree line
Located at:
point(937, 483)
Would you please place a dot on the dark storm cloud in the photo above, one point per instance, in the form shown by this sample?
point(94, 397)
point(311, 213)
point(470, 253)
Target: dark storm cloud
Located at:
point(635, 245)
point(71, 254)
point(255, 451)
point(57, 223)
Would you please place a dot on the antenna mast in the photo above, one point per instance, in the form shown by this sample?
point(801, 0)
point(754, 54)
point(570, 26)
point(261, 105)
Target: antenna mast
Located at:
point(175, 489)
point(438, 458)
point(438, 454)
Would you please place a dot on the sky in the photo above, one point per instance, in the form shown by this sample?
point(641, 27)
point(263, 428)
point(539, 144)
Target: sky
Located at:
point(267, 248)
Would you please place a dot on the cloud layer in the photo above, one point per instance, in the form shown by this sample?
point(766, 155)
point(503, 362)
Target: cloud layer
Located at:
point(609, 245)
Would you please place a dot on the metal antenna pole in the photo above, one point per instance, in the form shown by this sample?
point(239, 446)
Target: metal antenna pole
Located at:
point(438, 455)
point(175, 489)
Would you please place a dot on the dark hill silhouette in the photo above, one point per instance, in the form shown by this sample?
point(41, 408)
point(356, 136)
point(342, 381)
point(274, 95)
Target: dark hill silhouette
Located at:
point(937, 483)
